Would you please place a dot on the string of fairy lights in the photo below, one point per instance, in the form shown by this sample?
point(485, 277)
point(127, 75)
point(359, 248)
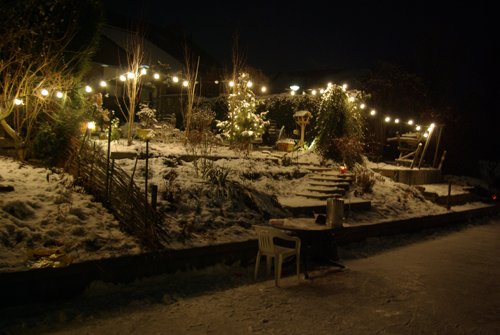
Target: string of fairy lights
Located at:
point(184, 83)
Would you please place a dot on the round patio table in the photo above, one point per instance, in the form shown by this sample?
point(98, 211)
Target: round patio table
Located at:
point(318, 240)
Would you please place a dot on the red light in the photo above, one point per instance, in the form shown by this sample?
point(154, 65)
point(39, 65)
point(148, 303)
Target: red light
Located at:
point(343, 169)
point(494, 197)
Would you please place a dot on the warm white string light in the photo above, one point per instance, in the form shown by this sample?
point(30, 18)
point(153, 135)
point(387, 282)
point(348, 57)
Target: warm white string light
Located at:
point(293, 89)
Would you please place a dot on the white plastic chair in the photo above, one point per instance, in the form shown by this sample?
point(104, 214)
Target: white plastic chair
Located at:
point(268, 248)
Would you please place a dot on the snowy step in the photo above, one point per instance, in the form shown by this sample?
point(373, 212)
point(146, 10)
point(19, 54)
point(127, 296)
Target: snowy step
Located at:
point(302, 206)
point(325, 189)
point(329, 178)
point(318, 168)
point(316, 195)
point(343, 184)
point(438, 193)
point(333, 173)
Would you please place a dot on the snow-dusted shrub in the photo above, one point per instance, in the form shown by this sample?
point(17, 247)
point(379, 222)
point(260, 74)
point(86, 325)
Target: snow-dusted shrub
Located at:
point(339, 125)
point(216, 175)
point(116, 133)
point(365, 180)
point(147, 116)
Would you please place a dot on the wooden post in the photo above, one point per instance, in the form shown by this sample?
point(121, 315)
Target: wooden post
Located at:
point(154, 195)
point(107, 160)
point(448, 200)
point(443, 156)
point(425, 148)
point(111, 171)
point(416, 155)
point(147, 168)
point(437, 147)
point(146, 185)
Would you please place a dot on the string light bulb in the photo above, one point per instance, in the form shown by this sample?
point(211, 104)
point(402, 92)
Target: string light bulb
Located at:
point(410, 122)
point(156, 76)
point(396, 120)
point(18, 102)
point(417, 128)
point(313, 92)
point(351, 99)
point(185, 83)
point(175, 79)
point(263, 89)
point(231, 83)
point(130, 75)
point(344, 87)
point(362, 106)
point(88, 89)
point(59, 94)
point(123, 78)
point(387, 119)
point(144, 71)
point(103, 83)
point(373, 112)
point(249, 84)
point(44, 92)
point(321, 91)
point(91, 125)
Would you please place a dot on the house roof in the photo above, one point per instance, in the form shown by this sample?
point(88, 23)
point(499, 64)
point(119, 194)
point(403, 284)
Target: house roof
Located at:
point(121, 42)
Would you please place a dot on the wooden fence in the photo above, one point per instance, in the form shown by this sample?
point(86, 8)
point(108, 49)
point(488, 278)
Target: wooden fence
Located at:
point(111, 185)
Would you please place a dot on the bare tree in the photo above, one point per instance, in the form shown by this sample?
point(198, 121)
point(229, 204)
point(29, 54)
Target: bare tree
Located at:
point(133, 81)
point(33, 62)
point(192, 78)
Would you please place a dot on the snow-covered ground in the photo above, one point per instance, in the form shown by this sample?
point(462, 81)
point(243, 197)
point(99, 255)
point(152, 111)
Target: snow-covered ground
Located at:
point(437, 282)
point(44, 221)
point(45, 216)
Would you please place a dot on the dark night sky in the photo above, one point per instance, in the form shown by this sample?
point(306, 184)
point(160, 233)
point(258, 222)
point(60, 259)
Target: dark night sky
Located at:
point(450, 45)
point(291, 35)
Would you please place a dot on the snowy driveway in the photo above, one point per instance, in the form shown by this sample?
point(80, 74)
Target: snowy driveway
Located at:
point(443, 283)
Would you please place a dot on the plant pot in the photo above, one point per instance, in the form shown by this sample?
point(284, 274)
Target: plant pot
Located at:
point(285, 146)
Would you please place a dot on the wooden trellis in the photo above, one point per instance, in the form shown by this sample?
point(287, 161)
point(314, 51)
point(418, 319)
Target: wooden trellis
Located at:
point(112, 186)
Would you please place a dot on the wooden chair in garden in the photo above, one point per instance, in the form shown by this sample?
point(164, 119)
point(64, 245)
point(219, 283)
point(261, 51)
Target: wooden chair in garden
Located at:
point(411, 147)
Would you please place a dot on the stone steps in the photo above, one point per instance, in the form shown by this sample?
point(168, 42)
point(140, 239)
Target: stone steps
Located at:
point(302, 206)
point(326, 189)
point(344, 185)
point(322, 184)
point(317, 177)
point(317, 195)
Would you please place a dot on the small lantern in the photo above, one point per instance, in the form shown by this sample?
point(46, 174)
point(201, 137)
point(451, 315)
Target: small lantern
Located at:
point(343, 168)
